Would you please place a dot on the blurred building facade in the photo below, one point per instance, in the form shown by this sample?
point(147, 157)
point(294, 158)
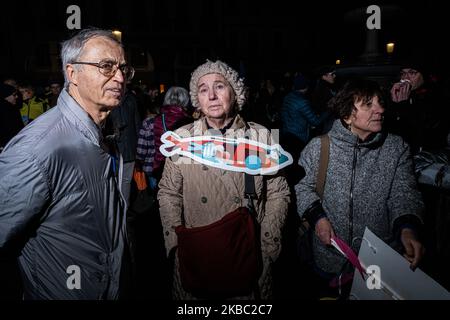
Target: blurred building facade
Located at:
point(166, 39)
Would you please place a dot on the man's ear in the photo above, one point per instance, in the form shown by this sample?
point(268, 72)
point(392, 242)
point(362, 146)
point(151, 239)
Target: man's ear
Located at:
point(72, 74)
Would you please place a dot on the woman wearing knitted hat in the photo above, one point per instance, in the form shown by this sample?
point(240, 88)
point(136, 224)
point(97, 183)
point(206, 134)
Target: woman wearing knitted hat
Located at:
point(196, 195)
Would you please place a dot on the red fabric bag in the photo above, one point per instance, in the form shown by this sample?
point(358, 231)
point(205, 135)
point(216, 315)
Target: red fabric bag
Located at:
point(222, 259)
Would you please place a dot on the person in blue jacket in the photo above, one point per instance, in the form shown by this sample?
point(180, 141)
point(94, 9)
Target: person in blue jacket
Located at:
point(297, 120)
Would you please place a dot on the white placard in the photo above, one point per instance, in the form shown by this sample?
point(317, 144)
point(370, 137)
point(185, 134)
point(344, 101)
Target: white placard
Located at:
point(398, 281)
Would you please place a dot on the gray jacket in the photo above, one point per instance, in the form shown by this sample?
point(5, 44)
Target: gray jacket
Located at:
point(368, 183)
point(60, 206)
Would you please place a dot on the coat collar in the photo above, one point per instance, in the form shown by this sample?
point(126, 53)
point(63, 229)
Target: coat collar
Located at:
point(200, 126)
point(79, 117)
point(234, 180)
point(343, 134)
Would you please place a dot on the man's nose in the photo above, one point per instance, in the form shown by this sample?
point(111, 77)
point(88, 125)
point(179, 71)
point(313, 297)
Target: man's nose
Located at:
point(119, 76)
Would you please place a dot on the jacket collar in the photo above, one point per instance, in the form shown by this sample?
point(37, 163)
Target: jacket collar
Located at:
point(343, 134)
point(200, 125)
point(79, 117)
point(297, 93)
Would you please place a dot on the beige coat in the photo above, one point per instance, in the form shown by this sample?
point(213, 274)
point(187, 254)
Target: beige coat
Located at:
point(198, 195)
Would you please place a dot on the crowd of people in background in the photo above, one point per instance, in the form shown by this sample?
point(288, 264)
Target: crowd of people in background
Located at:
point(414, 106)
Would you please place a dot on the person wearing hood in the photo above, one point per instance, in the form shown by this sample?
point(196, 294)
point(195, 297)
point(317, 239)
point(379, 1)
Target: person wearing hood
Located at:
point(369, 183)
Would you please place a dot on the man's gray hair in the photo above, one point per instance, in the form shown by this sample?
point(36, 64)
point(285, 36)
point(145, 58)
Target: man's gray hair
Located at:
point(72, 49)
point(176, 96)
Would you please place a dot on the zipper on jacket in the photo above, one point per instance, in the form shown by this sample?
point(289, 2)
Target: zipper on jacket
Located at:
point(352, 184)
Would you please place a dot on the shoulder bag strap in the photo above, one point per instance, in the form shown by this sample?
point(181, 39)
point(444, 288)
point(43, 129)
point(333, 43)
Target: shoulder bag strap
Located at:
point(250, 192)
point(323, 164)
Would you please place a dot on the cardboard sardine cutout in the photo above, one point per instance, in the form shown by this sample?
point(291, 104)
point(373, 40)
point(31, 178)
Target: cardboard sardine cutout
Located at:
point(240, 155)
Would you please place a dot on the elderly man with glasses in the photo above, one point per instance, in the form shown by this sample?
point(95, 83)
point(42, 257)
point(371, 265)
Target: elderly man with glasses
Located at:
point(62, 213)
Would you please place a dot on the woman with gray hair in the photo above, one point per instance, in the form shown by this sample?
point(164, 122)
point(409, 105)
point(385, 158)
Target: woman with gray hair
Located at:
point(195, 195)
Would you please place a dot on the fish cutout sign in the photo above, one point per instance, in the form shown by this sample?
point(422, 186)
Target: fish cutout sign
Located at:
point(239, 155)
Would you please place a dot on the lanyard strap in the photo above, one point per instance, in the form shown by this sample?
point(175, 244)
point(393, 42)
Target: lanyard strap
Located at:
point(347, 252)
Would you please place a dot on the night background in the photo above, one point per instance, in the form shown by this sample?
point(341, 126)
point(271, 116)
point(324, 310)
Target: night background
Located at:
point(166, 40)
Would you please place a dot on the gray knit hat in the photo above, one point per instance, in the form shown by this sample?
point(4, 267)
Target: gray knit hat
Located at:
point(227, 72)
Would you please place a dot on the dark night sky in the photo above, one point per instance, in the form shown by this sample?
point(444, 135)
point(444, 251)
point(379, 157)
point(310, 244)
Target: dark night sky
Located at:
point(265, 36)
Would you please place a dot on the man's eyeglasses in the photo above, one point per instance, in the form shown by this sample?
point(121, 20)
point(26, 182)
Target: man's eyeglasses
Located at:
point(410, 73)
point(109, 68)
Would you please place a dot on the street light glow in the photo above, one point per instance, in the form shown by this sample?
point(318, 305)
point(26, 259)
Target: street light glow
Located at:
point(118, 35)
point(390, 47)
